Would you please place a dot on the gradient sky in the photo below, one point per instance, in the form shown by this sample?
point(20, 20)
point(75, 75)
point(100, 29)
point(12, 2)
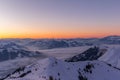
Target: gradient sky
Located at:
point(59, 18)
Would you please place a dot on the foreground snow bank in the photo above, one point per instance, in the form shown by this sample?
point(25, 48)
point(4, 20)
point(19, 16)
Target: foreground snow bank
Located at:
point(53, 69)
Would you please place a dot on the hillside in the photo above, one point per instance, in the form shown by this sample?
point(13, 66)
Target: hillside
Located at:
point(53, 69)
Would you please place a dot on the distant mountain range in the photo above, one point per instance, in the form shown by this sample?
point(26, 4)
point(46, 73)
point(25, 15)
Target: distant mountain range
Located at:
point(11, 50)
point(16, 48)
point(60, 43)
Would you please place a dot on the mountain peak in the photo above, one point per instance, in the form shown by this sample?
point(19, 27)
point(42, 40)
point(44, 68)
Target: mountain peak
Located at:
point(54, 69)
point(112, 36)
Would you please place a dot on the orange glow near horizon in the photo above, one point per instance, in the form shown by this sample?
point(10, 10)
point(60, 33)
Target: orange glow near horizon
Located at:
point(58, 19)
point(54, 35)
point(50, 31)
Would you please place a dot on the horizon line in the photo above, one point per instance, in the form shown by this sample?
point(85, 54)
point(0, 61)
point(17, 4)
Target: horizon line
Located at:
point(59, 37)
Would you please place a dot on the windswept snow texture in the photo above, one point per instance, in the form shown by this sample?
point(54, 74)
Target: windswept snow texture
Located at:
point(112, 56)
point(53, 69)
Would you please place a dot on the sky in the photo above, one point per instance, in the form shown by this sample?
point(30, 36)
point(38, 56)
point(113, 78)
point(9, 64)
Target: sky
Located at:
point(59, 18)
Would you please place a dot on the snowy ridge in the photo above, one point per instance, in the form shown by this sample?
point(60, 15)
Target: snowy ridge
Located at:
point(112, 56)
point(53, 69)
point(92, 53)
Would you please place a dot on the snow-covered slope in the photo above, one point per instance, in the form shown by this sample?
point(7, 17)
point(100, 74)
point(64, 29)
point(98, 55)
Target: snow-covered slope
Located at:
point(112, 56)
point(106, 53)
point(9, 66)
point(53, 69)
point(92, 53)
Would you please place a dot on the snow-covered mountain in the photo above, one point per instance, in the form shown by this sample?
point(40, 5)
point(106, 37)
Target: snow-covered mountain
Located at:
point(110, 40)
point(53, 69)
point(10, 54)
point(92, 53)
point(109, 54)
point(104, 58)
point(112, 56)
point(6, 67)
point(60, 53)
point(11, 50)
point(59, 43)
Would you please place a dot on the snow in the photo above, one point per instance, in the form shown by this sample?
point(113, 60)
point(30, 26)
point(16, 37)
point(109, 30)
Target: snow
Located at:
point(112, 56)
point(7, 67)
point(56, 67)
point(60, 70)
